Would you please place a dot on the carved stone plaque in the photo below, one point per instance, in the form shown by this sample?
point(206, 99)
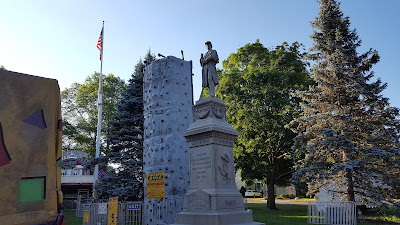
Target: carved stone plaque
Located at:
point(225, 167)
point(201, 167)
point(199, 201)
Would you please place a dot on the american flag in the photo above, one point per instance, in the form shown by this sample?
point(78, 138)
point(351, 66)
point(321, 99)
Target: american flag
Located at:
point(100, 42)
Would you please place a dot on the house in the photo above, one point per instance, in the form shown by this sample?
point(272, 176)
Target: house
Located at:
point(258, 186)
point(75, 179)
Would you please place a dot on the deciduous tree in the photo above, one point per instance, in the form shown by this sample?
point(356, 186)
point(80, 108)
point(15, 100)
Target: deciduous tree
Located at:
point(256, 84)
point(79, 110)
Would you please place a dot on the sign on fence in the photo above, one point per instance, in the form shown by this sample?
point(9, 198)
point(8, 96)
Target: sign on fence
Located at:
point(123, 216)
point(86, 216)
point(134, 206)
point(155, 185)
point(112, 211)
point(102, 210)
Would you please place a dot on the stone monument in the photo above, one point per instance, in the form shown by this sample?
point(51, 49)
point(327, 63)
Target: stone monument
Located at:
point(167, 114)
point(213, 198)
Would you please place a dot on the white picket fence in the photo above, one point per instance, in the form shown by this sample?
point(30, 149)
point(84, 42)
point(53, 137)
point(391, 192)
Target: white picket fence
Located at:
point(341, 213)
point(156, 211)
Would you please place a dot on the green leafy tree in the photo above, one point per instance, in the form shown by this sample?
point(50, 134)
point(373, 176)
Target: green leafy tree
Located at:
point(79, 110)
point(256, 84)
point(347, 132)
point(2, 67)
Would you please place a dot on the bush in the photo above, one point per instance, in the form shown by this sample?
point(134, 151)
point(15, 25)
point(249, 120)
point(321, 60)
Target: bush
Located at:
point(282, 196)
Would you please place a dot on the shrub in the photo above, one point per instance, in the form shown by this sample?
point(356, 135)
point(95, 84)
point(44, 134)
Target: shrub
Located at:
point(282, 196)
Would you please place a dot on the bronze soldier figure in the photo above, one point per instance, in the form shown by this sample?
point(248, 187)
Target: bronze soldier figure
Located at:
point(209, 73)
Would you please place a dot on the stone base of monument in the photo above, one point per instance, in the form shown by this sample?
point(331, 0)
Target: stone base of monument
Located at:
point(213, 198)
point(220, 218)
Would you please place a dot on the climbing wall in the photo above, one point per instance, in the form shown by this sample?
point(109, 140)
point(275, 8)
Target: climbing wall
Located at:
point(168, 113)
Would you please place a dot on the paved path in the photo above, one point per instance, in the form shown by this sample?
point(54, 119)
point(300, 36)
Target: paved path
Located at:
point(277, 201)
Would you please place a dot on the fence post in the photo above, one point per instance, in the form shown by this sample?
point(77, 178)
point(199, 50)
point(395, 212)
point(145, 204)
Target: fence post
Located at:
point(341, 213)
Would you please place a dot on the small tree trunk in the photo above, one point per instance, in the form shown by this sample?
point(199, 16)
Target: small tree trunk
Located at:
point(350, 185)
point(349, 179)
point(271, 191)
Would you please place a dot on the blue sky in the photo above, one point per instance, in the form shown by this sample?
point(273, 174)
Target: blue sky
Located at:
point(57, 39)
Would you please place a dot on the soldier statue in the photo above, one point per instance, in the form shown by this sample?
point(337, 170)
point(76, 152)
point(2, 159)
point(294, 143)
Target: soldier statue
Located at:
point(209, 72)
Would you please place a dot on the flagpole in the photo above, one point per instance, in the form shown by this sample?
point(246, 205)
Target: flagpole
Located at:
point(100, 109)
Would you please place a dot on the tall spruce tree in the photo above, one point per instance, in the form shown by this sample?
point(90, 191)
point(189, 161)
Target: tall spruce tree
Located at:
point(126, 140)
point(348, 133)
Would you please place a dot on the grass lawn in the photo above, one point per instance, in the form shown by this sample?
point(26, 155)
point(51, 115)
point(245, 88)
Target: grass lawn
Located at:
point(286, 215)
point(297, 215)
point(391, 216)
point(70, 218)
point(303, 200)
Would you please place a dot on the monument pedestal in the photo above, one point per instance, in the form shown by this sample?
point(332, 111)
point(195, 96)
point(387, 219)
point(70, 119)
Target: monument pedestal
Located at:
point(213, 198)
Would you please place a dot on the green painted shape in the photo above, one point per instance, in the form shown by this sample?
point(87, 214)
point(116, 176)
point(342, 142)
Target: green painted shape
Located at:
point(31, 190)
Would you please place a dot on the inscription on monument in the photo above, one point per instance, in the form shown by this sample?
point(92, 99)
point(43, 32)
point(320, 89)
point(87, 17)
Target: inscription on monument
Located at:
point(201, 167)
point(198, 204)
point(230, 203)
point(199, 201)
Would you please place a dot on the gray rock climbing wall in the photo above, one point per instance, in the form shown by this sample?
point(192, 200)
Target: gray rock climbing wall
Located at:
point(167, 114)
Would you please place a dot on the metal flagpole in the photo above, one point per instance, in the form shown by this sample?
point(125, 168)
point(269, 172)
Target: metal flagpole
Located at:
point(100, 109)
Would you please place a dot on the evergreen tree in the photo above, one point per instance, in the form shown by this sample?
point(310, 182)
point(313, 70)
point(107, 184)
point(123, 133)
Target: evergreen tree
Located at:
point(148, 58)
point(348, 133)
point(126, 141)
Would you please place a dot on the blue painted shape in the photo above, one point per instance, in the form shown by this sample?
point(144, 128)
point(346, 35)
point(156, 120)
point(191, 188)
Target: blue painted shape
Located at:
point(133, 206)
point(36, 119)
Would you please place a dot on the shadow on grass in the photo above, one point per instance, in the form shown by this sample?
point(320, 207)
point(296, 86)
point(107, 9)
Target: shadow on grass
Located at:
point(287, 214)
point(297, 215)
point(70, 218)
point(383, 216)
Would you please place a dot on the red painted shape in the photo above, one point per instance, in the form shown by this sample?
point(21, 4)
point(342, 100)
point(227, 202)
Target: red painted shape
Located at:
point(60, 125)
point(4, 156)
point(62, 222)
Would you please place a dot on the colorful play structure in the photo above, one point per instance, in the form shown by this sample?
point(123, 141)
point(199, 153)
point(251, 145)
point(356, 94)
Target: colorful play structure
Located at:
point(30, 146)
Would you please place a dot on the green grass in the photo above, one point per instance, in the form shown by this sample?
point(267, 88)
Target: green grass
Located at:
point(286, 215)
point(389, 215)
point(303, 200)
point(297, 215)
point(70, 218)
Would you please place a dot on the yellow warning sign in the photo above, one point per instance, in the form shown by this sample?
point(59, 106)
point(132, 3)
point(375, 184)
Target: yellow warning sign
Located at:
point(155, 185)
point(112, 211)
point(86, 216)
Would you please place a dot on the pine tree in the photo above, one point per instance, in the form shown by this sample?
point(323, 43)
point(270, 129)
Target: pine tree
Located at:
point(126, 140)
point(348, 133)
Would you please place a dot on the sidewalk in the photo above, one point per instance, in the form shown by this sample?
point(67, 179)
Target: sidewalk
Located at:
point(277, 201)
